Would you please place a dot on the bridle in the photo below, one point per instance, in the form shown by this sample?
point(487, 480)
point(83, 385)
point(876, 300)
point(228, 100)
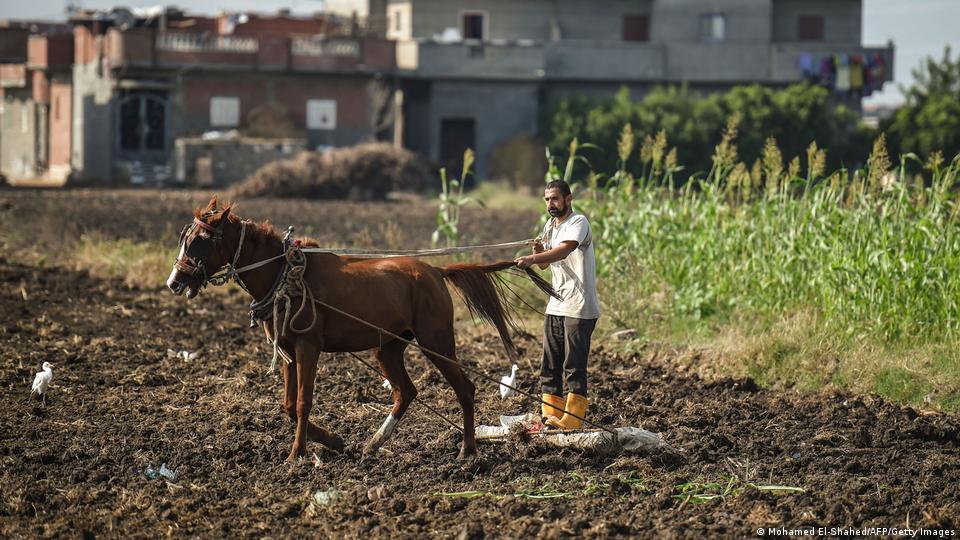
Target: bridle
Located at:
point(191, 262)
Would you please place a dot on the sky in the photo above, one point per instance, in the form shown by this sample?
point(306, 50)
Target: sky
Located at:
point(918, 28)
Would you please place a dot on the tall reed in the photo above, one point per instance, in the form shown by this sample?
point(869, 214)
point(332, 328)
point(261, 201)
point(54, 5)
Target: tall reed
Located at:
point(875, 252)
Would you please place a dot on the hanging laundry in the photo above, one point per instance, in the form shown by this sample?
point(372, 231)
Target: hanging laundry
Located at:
point(856, 75)
point(805, 62)
point(878, 73)
point(843, 74)
point(828, 71)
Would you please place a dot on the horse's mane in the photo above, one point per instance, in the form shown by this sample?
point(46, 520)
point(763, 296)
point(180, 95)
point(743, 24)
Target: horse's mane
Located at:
point(263, 229)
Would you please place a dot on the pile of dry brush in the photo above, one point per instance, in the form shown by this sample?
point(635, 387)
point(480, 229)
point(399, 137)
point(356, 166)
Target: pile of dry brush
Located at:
point(363, 172)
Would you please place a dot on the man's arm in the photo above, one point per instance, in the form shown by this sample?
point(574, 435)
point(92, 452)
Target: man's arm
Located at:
point(538, 248)
point(544, 259)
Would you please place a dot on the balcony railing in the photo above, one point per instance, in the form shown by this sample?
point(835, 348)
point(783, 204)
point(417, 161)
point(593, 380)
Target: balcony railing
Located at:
point(147, 48)
point(325, 47)
point(194, 43)
point(470, 58)
point(13, 75)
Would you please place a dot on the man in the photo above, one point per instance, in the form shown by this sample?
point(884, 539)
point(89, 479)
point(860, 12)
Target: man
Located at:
point(566, 245)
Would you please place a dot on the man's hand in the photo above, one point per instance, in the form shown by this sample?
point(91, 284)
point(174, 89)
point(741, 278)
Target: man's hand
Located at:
point(537, 245)
point(525, 262)
point(545, 258)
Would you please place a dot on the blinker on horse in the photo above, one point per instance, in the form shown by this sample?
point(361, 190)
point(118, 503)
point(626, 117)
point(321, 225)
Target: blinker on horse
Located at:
point(401, 296)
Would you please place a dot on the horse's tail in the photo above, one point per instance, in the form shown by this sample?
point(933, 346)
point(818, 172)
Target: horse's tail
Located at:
point(483, 293)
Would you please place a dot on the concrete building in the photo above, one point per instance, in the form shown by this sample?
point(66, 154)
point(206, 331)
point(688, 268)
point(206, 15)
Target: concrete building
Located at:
point(126, 96)
point(475, 73)
point(109, 100)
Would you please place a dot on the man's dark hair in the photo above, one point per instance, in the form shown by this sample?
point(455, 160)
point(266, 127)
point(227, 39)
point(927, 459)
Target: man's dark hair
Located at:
point(561, 185)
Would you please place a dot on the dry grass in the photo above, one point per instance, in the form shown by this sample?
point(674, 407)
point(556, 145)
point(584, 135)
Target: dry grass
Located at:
point(798, 352)
point(144, 265)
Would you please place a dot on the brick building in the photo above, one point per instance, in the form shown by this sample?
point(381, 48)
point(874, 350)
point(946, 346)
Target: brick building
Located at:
point(105, 98)
point(35, 60)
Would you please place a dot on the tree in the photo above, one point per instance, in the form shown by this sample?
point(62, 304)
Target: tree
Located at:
point(693, 122)
point(930, 118)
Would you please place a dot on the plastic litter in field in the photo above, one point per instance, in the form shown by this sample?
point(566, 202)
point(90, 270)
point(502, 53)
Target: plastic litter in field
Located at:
point(627, 439)
point(324, 497)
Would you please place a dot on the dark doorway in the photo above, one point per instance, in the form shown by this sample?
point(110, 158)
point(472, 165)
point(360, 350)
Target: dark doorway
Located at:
point(142, 124)
point(456, 135)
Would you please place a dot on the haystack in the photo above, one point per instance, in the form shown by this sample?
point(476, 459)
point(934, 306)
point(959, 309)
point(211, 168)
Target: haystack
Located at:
point(363, 172)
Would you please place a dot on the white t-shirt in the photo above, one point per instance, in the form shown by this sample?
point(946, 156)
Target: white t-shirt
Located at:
point(575, 277)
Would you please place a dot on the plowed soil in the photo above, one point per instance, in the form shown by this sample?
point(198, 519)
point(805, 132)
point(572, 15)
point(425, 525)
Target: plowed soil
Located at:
point(119, 405)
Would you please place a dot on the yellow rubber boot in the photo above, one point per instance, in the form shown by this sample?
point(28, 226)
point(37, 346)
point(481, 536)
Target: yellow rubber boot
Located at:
point(577, 405)
point(553, 407)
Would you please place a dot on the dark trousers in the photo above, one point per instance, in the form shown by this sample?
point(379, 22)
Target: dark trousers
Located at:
point(566, 344)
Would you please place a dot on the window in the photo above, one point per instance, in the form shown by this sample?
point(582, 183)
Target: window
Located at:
point(224, 111)
point(321, 114)
point(473, 25)
point(636, 28)
point(810, 28)
point(713, 27)
point(399, 18)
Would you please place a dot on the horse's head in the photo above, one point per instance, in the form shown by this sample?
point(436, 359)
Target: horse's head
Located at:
point(202, 250)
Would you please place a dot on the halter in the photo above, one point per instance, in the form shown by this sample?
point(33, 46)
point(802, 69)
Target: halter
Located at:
point(191, 262)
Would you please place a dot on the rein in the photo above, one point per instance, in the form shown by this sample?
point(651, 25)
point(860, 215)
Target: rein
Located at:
point(388, 253)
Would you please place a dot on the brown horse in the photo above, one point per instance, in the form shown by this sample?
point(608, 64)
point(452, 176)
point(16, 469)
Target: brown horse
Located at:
point(404, 296)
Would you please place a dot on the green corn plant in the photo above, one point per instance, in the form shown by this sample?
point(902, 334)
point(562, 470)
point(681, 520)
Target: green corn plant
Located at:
point(452, 200)
point(868, 261)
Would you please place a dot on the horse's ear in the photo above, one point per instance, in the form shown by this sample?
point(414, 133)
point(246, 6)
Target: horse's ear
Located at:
point(225, 213)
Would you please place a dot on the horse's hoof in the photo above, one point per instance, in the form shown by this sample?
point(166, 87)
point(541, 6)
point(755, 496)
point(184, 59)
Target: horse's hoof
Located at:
point(467, 455)
point(296, 455)
point(368, 455)
point(324, 437)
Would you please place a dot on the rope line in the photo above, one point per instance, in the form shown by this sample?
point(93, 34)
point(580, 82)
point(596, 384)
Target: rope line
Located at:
point(476, 371)
point(380, 253)
point(295, 285)
point(424, 403)
point(386, 253)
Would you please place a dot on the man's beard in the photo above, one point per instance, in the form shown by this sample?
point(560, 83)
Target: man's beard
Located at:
point(557, 212)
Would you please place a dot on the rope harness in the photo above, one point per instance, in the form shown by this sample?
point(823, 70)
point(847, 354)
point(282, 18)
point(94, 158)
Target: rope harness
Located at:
point(291, 285)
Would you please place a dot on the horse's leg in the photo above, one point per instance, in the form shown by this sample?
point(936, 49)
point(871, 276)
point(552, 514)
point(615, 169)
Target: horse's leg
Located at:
point(290, 390)
point(390, 356)
point(315, 433)
point(440, 340)
point(307, 354)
